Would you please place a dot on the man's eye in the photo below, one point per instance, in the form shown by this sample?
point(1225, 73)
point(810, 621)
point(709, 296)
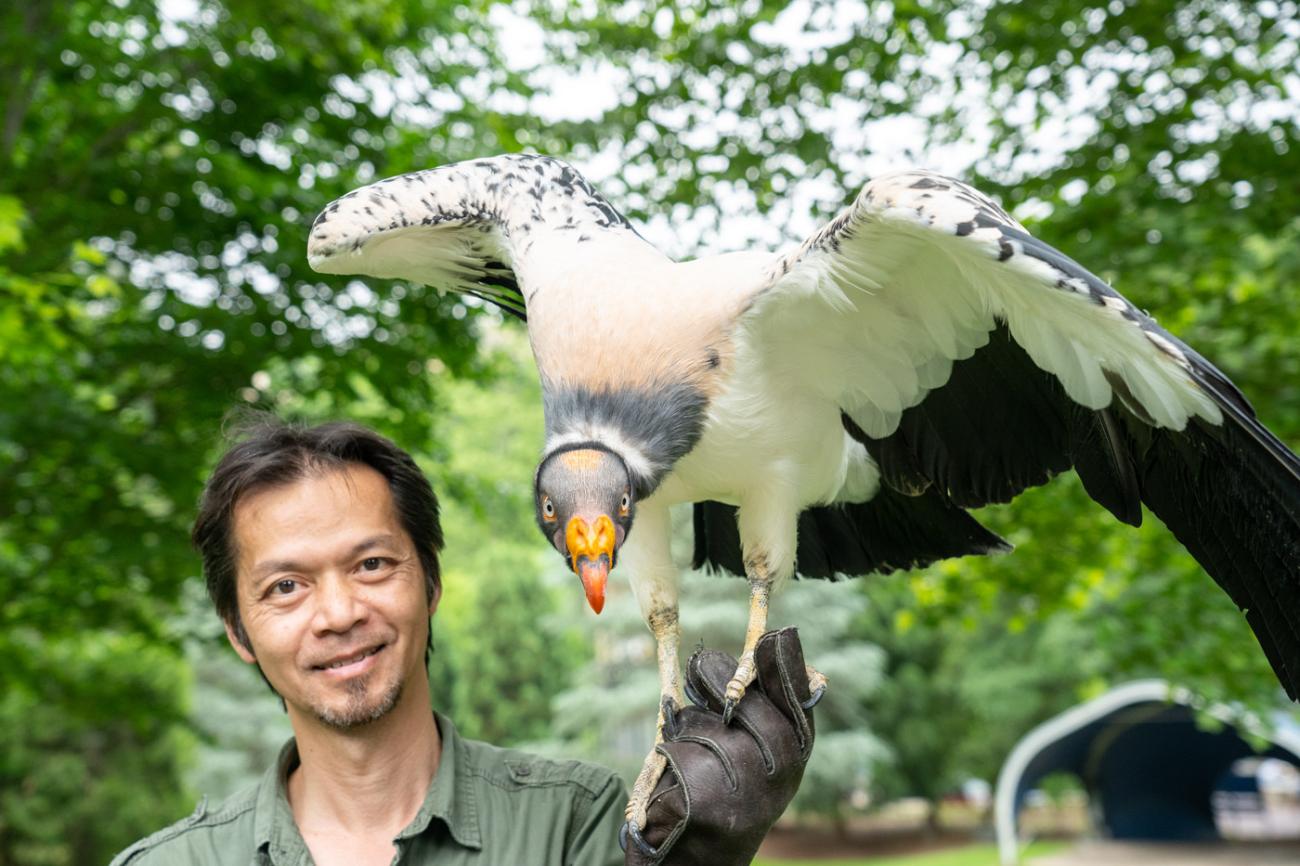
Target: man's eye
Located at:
point(284, 587)
point(372, 563)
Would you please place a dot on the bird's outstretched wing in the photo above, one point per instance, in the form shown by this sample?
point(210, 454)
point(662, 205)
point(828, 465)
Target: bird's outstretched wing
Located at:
point(493, 228)
point(973, 359)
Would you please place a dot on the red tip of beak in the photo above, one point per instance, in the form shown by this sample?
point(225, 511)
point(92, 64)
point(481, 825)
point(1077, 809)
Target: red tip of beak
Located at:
point(593, 576)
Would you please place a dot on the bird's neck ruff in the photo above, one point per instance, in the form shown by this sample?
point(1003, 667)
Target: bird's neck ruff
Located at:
point(649, 430)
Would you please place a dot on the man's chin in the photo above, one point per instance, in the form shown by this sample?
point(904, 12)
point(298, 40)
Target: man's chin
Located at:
point(360, 707)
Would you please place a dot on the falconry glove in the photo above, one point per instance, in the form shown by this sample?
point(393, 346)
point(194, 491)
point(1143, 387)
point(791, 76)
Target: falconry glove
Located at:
point(726, 785)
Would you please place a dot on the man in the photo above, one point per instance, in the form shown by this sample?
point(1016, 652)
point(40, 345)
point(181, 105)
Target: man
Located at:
point(320, 552)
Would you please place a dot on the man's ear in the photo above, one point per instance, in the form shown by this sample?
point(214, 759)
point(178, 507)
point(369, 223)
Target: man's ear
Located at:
point(244, 652)
point(437, 596)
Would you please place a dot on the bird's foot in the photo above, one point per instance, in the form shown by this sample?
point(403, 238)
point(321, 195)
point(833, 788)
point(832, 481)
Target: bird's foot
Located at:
point(816, 686)
point(652, 769)
point(745, 673)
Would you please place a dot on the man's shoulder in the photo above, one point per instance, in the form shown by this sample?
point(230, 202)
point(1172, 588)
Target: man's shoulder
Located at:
point(517, 769)
point(210, 835)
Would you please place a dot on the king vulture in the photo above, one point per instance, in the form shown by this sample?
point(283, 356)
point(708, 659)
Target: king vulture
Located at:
point(834, 409)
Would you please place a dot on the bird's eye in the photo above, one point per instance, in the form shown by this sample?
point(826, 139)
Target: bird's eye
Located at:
point(548, 509)
point(624, 504)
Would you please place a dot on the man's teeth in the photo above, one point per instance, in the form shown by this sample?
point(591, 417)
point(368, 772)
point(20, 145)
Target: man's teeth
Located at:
point(354, 659)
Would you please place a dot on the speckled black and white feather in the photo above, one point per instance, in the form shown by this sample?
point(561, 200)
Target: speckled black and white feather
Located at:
point(949, 261)
point(482, 227)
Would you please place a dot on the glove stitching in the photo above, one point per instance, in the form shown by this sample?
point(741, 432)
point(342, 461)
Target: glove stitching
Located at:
point(694, 697)
point(665, 846)
point(722, 757)
point(708, 685)
point(769, 761)
point(792, 701)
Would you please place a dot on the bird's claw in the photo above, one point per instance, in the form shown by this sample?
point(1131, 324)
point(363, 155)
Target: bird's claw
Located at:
point(816, 686)
point(668, 710)
point(631, 830)
point(745, 674)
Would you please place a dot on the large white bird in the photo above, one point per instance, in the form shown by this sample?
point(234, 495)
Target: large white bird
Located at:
point(833, 409)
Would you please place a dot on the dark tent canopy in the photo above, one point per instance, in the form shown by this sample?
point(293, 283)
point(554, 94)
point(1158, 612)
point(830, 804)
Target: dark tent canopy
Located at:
point(1145, 763)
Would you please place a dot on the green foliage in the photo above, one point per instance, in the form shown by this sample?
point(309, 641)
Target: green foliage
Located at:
point(91, 751)
point(955, 698)
point(500, 656)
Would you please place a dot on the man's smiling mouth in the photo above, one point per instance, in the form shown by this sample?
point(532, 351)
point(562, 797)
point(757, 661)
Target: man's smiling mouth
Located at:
point(346, 661)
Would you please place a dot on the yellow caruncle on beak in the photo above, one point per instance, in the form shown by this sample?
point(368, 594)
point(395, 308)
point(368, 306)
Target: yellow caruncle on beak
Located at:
point(588, 543)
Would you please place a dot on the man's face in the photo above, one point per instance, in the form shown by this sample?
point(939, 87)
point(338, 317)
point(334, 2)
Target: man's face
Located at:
point(331, 593)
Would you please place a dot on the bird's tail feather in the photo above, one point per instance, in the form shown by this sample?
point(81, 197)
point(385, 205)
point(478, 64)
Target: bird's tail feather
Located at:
point(893, 531)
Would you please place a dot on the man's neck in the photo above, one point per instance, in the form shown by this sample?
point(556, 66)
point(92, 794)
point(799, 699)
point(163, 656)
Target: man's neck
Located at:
point(366, 782)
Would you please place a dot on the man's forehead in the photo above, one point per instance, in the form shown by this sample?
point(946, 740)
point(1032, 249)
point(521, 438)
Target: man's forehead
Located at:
point(318, 514)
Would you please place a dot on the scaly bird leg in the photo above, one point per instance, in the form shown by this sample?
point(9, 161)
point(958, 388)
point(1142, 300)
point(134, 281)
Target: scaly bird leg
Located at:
point(663, 623)
point(760, 590)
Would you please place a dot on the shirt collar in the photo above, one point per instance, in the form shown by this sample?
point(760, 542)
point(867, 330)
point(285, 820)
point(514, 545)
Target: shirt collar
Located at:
point(274, 831)
point(450, 798)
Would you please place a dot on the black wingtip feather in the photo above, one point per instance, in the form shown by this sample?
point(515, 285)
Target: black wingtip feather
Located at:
point(1231, 496)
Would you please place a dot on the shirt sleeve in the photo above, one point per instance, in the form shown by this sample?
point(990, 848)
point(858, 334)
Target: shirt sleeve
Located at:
point(593, 839)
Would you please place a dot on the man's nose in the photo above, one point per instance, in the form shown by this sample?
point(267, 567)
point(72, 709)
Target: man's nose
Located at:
point(338, 606)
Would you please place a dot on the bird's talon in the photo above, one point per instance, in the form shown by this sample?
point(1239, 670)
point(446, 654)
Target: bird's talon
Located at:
point(668, 711)
point(735, 691)
point(630, 829)
point(816, 685)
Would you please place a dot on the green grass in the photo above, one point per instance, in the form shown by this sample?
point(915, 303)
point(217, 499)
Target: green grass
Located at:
point(967, 855)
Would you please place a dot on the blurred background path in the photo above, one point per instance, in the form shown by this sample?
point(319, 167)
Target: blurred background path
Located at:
point(1151, 854)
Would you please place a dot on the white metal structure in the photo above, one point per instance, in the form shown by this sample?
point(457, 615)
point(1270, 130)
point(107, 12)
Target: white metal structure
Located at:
point(1130, 694)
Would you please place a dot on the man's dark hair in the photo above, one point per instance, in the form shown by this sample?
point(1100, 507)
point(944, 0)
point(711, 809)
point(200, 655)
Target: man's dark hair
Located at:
point(269, 452)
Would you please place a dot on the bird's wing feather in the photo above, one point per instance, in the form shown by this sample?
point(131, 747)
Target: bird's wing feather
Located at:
point(972, 358)
point(493, 228)
point(916, 274)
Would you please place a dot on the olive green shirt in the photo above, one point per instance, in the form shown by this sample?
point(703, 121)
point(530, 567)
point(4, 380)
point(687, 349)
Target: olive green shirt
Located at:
point(485, 805)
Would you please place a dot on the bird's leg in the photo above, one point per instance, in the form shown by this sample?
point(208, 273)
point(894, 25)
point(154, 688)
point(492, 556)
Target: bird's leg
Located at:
point(647, 555)
point(760, 590)
point(663, 623)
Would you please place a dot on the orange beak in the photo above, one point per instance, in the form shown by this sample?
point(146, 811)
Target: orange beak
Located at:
point(591, 550)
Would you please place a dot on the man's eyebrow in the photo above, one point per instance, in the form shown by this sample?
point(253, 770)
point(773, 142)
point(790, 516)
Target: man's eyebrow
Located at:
point(273, 566)
point(385, 539)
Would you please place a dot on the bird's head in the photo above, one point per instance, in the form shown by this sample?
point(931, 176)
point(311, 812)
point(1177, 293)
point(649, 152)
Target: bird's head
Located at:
point(584, 508)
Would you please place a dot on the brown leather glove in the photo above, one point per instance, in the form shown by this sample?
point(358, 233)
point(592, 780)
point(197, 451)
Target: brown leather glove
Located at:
point(726, 785)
